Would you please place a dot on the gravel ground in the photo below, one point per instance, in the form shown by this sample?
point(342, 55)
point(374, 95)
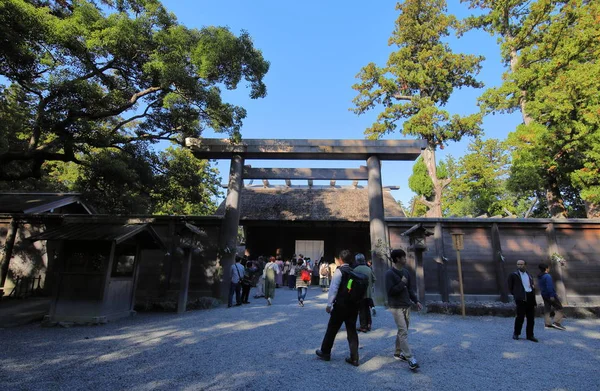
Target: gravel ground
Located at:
point(256, 347)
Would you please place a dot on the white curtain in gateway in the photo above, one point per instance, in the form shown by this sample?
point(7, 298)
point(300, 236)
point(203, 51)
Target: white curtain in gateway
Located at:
point(311, 248)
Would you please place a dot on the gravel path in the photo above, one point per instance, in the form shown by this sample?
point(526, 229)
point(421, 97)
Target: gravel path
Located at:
point(256, 347)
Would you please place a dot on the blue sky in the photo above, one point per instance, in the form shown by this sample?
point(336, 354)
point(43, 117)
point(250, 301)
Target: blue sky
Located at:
point(316, 48)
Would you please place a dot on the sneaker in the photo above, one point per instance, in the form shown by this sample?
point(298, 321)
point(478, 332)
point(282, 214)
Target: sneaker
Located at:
point(374, 312)
point(515, 336)
point(323, 356)
point(558, 326)
point(269, 301)
point(413, 364)
point(532, 339)
point(400, 356)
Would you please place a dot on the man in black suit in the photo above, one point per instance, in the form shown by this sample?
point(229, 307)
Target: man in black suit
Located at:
point(520, 285)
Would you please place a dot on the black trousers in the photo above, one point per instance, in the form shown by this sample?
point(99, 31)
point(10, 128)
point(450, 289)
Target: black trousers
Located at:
point(525, 309)
point(245, 292)
point(347, 316)
point(364, 314)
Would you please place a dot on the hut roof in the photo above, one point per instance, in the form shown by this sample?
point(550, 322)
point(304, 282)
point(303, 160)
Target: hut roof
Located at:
point(310, 204)
point(40, 202)
point(103, 232)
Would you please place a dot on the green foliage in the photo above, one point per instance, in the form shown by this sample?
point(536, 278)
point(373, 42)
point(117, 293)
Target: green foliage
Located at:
point(552, 47)
point(419, 78)
point(188, 186)
point(417, 82)
point(420, 182)
point(479, 181)
point(91, 75)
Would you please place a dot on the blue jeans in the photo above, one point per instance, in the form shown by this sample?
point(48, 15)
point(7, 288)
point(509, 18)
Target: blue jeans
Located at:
point(237, 288)
point(301, 294)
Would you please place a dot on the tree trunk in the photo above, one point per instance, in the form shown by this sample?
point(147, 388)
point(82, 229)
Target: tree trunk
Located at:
point(435, 206)
point(592, 210)
point(555, 202)
point(556, 205)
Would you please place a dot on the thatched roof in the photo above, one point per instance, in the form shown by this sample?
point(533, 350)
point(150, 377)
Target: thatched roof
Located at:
point(310, 204)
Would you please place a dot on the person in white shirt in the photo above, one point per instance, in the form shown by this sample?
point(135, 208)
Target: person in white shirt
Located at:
point(342, 312)
point(237, 272)
point(520, 285)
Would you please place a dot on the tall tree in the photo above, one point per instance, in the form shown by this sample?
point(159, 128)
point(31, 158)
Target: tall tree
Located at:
point(187, 186)
point(85, 75)
point(551, 49)
point(417, 82)
point(479, 182)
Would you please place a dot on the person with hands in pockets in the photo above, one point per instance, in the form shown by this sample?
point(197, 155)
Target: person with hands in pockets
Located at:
point(401, 294)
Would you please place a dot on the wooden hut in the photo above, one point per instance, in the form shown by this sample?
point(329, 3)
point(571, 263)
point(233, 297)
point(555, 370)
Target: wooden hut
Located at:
point(97, 266)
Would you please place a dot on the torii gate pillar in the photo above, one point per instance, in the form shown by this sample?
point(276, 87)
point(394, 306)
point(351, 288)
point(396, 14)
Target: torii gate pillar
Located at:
point(377, 226)
point(231, 220)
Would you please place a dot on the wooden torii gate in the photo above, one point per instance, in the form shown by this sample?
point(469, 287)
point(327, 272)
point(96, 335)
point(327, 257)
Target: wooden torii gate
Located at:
point(371, 151)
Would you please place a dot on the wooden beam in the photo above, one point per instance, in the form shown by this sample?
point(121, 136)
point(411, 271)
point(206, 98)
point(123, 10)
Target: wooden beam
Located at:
point(288, 183)
point(310, 183)
point(265, 183)
point(360, 174)
point(306, 149)
point(355, 184)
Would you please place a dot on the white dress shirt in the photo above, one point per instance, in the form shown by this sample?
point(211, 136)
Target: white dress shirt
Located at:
point(526, 282)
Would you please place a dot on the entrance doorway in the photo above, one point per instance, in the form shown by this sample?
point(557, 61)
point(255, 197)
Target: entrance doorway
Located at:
point(311, 248)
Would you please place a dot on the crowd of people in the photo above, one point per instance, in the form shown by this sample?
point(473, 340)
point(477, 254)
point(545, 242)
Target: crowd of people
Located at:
point(336, 278)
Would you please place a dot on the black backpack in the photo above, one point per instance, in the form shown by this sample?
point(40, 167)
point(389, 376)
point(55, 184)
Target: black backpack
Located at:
point(352, 288)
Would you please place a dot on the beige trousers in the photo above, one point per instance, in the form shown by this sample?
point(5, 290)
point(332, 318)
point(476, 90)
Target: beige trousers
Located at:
point(402, 319)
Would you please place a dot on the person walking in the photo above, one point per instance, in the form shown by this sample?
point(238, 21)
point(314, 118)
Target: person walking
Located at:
point(235, 286)
point(341, 311)
point(279, 275)
point(260, 284)
point(324, 276)
point(271, 270)
point(400, 290)
point(302, 281)
point(551, 300)
point(364, 312)
point(249, 271)
point(520, 285)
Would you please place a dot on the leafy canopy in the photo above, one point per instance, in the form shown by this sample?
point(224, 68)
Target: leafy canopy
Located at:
point(86, 75)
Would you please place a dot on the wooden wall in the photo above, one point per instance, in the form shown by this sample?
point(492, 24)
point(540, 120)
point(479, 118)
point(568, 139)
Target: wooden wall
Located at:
point(578, 241)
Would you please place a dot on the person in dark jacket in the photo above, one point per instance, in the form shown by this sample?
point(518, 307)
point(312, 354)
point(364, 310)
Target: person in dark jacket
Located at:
point(341, 311)
point(520, 285)
point(401, 294)
point(551, 301)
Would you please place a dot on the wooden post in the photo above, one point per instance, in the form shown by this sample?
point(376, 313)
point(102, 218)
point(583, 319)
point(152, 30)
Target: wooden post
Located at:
point(377, 226)
point(136, 273)
point(457, 242)
point(231, 220)
point(441, 263)
point(556, 267)
point(499, 264)
point(420, 275)
point(185, 281)
point(9, 244)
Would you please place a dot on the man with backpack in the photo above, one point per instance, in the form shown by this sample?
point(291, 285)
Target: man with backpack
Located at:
point(364, 312)
point(400, 291)
point(342, 304)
